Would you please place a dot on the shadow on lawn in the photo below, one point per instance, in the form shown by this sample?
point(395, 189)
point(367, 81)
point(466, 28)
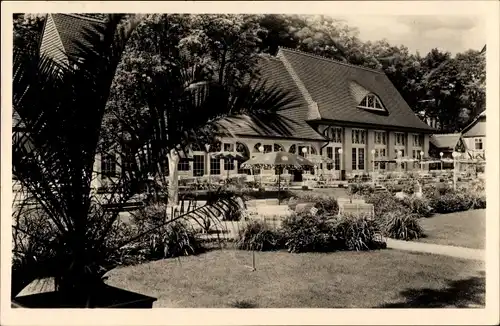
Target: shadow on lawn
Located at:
point(464, 293)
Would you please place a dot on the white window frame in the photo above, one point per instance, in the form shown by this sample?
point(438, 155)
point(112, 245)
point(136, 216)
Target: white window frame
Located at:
point(334, 134)
point(383, 137)
point(364, 104)
point(403, 140)
point(478, 141)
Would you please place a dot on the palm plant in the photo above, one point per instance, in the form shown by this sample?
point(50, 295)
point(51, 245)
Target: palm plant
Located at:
point(61, 228)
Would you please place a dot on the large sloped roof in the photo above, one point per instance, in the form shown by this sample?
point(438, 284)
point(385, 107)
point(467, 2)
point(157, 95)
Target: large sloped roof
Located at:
point(275, 74)
point(336, 86)
point(67, 31)
point(445, 141)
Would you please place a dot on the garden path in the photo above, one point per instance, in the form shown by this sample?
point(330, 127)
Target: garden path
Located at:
point(452, 251)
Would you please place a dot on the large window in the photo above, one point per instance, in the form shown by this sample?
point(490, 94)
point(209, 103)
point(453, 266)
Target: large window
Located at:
point(399, 139)
point(399, 150)
point(127, 160)
point(183, 165)
point(358, 158)
point(380, 137)
point(108, 165)
point(199, 165)
point(337, 158)
point(358, 136)
point(371, 101)
point(380, 152)
point(214, 166)
point(329, 154)
point(478, 144)
point(228, 164)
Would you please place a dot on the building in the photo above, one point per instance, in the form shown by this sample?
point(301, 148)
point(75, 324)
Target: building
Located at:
point(446, 144)
point(347, 113)
point(474, 136)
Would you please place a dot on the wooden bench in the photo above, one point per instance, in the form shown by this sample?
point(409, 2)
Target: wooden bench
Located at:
point(356, 209)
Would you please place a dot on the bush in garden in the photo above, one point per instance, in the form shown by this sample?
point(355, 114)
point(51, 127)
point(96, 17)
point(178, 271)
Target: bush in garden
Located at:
point(308, 233)
point(257, 235)
point(357, 232)
point(173, 239)
point(234, 213)
point(421, 207)
point(383, 202)
point(399, 224)
point(360, 188)
point(452, 202)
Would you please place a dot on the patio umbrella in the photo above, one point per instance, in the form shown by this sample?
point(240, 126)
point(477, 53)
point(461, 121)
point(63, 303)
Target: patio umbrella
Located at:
point(279, 160)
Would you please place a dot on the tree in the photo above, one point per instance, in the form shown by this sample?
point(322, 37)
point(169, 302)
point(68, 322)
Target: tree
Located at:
point(27, 29)
point(456, 86)
point(205, 54)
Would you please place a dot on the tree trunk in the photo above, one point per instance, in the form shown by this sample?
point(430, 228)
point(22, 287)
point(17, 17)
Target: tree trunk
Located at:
point(173, 178)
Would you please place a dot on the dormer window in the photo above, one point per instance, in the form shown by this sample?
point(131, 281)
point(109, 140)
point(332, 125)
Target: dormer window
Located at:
point(371, 102)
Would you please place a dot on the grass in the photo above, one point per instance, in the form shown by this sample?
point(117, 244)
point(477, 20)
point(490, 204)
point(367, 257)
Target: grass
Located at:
point(463, 229)
point(388, 278)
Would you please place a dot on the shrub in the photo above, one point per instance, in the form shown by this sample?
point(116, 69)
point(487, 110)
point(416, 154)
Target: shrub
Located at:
point(360, 188)
point(308, 233)
point(421, 207)
point(327, 206)
point(171, 240)
point(383, 202)
point(399, 224)
point(256, 235)
point(452, 202)
point(357, 233)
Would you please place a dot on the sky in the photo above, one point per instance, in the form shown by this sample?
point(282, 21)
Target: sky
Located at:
point(423, 33)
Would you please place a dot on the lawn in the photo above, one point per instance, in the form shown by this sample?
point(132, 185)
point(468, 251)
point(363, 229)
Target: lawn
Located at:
point(463, 229)
point(386, 278)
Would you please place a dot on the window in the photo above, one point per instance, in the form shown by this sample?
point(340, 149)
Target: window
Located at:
point(400, 139)
point(228, 147)
point(214, 166)
point(371, 101)
point(401, 150)
point(380, 137)
point(337, 158)
point(108, 165)
point(278, 148)
point(334, 134)
point(354, 165)
point(329, 154)
point(380, 152)
point(228, 164)
point(361, 158)
point(478, 144)
point(199, 165)
point(418, 140)
point(358, 158)
point(268, 148)
point(358, 136)
point(128, 160)
point(183, 164)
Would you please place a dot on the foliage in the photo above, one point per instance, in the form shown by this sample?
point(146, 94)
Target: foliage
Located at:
point(326, 205)
point(308, 233)
point(452, 202)
point(420, 207)
point(360, 188)
point(383, 202)
point(357, 233)
point(257, 235)
point(167, 240)
point(399, 224)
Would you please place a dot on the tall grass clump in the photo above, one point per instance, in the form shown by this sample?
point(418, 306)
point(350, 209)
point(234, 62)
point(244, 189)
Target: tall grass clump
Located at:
point(401, 225)
point(257, 235)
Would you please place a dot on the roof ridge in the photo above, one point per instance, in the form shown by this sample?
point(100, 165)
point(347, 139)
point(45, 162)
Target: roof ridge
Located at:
point(448, 134)
point(95, 20)
point(330, 59)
